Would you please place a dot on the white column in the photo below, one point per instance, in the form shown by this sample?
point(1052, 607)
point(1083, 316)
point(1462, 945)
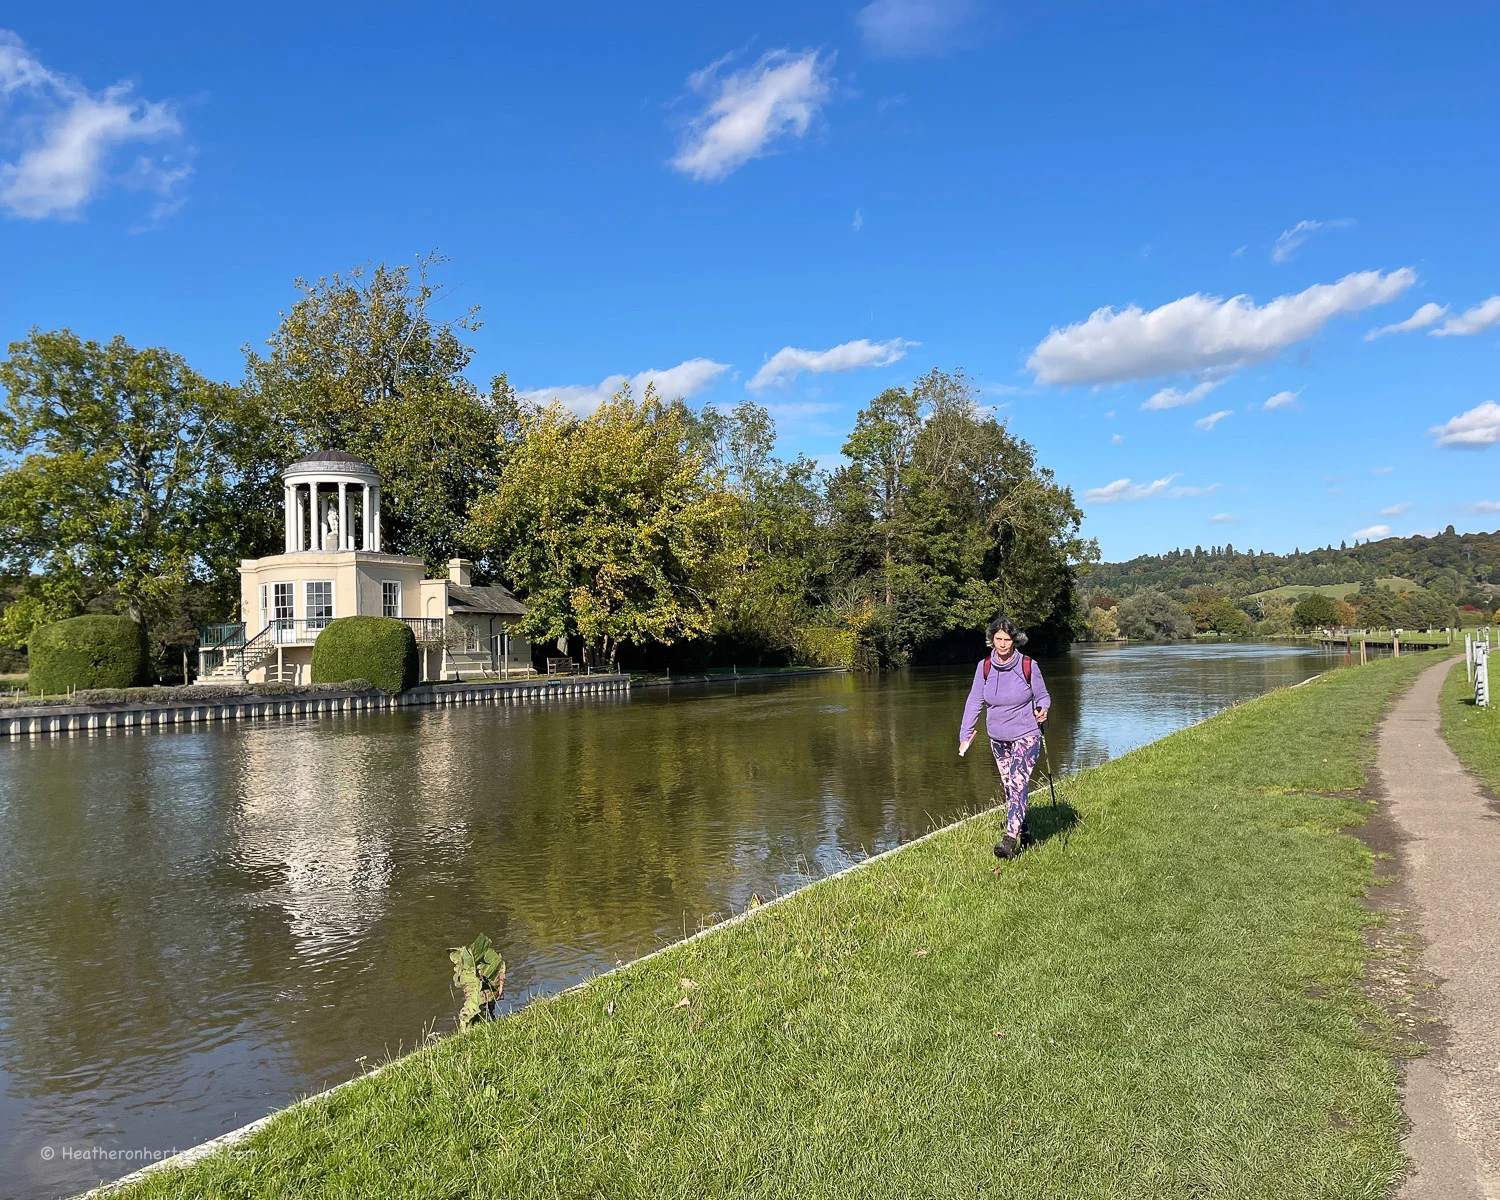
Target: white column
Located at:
point(375, 515)
point(364, 516)
point(301, 529)
point(343, 517)
point(286, 515)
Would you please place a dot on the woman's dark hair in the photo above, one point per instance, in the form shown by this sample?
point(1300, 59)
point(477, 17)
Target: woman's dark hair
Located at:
point(1003, 624)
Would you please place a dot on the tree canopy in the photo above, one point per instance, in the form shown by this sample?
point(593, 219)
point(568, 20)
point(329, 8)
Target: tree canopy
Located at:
point(614, 526)
point(361, 363)
point(122, 487)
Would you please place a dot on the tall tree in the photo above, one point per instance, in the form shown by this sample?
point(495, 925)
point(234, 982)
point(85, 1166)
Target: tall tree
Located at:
point(778, 509)
point(122, 485)
point(361, 363)
point(943, 518)
point(615, 526)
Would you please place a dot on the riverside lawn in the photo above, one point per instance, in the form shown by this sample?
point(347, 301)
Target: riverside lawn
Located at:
point(1165, 1003)
point(1473, 732)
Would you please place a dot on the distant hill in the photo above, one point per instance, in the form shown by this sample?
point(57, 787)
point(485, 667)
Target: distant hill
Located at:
point(1452, 564)
point(1339, 591)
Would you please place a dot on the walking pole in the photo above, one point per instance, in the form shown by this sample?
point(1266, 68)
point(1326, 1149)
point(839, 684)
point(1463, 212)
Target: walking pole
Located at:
point(1047, 761)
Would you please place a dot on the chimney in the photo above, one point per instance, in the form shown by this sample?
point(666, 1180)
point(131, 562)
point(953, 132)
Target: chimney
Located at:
point(458, 571)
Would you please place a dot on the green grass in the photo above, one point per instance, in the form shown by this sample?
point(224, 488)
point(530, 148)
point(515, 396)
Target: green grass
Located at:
point(1473, 732)
point(1338, 591)
point(1164, 1003)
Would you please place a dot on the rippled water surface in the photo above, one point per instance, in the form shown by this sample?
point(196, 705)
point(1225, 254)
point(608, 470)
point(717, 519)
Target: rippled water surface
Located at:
point(198, 926)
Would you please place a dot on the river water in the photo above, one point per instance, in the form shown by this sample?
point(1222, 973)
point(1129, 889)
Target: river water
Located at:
point(198, 926)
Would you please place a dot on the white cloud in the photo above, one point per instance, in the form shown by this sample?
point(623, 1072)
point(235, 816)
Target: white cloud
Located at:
point(68, 137)
point(682, 382)
point(1117, 440)
point(1125, 489)
point(1373, 531)
point(1381, 470)
point(749, 110)
point(1173, 398)
point(1212, 419)
point(1282, 399)
point(789, 362)
point(1201, 333)
point(1290, 239)
point(1485, 506)
point(1475, 320)
point(905, 28)
point(1223, 519)
point(859, 220)
point(1428, 314)
point(1478, 427)
point(1395, 510)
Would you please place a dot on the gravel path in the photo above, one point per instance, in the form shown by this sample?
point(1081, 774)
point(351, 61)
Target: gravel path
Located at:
point(1451, 868)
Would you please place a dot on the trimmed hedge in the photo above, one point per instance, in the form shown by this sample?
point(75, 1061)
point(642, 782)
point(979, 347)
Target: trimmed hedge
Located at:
point(98, 651)
point(380, 649)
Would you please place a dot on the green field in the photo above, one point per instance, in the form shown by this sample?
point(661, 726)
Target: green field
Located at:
point(1162, 1000)
point(1473, 732)
point(1337, 591)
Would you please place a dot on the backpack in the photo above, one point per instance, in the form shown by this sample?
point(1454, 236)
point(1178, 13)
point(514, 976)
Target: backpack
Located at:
point(1025, 668)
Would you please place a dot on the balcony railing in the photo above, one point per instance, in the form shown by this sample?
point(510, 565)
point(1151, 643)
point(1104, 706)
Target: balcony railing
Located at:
point(303, 631)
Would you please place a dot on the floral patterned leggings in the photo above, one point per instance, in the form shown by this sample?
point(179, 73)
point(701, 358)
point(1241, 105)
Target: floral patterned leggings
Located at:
point(1015, 761)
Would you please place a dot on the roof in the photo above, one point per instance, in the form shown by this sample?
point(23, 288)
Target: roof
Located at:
point(333, 459)
point(494, 599)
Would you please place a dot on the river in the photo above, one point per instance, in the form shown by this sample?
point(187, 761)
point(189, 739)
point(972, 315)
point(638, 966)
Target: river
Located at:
point(200, 925)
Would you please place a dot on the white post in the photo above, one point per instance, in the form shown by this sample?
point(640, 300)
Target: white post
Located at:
point(288, 511)
point(376, 516)
point(343, 516)
point(364, 516)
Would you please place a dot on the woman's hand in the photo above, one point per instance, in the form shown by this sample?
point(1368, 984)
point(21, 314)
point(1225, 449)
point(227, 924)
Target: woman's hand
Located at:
point(1041, 716)
point(963, 746)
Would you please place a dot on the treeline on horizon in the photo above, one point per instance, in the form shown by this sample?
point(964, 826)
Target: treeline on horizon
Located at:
point(644, 534)
point(1430, 582)
point(1459, 565)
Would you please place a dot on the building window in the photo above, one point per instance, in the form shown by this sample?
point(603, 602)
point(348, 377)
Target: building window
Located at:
point(390, 598)
point(319, 602)
point(281, 596)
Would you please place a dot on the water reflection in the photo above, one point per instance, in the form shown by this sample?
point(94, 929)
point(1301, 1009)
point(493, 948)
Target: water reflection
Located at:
point(202, 924)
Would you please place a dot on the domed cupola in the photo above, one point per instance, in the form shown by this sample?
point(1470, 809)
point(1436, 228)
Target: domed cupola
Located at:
point(332, 503)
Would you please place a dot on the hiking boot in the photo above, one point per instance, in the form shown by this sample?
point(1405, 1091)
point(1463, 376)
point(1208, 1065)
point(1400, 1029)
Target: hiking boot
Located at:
point(1007, 847)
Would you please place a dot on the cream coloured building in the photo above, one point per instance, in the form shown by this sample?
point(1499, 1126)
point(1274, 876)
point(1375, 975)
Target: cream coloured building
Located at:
point(332, 566)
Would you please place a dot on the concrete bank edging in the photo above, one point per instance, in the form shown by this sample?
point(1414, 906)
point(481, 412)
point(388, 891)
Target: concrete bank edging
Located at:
point(122, 717)
point(799, 673)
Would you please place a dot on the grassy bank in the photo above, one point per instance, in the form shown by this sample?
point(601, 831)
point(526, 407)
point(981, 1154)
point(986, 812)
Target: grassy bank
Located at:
point(1473, 732)
point(1165, 1002)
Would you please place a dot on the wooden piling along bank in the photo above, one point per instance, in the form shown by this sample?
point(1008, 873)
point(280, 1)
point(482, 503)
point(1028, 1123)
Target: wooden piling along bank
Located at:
point(24, 722)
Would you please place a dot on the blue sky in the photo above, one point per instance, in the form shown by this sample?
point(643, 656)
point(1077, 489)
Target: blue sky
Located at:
point(1161, 236)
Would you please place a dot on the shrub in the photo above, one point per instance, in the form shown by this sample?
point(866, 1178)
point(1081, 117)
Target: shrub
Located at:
point(380, 649)
point(97, 651)
point(824, 645)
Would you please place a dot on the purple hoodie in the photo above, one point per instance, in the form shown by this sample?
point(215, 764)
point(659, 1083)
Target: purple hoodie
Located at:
point(1009, 700)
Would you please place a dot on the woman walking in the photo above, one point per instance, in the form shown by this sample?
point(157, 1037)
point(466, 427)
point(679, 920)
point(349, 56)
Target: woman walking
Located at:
point(1011, 687)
